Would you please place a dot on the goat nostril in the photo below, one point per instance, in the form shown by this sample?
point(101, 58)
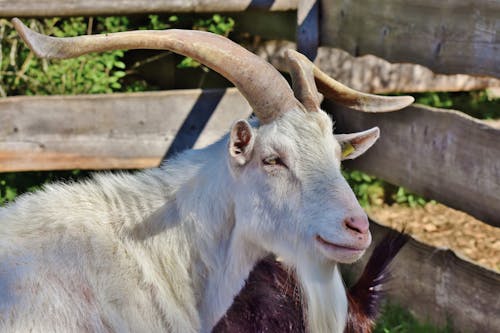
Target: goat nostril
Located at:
point(358, 224)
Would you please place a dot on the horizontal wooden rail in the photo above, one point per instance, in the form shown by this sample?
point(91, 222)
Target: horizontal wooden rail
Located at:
point(46, 8)
point(447, 36)
point(436, 285)
point(372, 74)
point(441, 154)
point(112, 131)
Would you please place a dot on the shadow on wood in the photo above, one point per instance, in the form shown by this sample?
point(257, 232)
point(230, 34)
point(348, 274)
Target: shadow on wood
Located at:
point(195, 122)
point(110, 131)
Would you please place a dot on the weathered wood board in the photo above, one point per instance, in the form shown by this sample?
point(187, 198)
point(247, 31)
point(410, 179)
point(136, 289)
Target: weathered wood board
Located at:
point(112, 131)
point(372, 74)
point(437, 286)
point(47, 8)
point(459, 36)
point(441, 154)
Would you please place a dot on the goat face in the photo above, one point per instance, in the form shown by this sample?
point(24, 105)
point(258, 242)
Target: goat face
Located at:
point(290, 195)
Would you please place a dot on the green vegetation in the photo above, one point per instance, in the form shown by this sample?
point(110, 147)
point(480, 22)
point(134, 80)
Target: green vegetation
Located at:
point(475, 103)
point(21, 73)
point(372, 191)
point(395, 319)
point(369, 190)
point(24, 74)
point(216, 24)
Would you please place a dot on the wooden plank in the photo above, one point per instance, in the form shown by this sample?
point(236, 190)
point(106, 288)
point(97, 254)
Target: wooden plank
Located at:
point(493, 123)
point(376, 75)
point(436, 285)
point(131, 130)
point(47, 8)
point(441, 154)
point(459, 36)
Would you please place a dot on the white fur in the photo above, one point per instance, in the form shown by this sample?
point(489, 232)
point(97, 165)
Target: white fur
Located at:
point(167, 249)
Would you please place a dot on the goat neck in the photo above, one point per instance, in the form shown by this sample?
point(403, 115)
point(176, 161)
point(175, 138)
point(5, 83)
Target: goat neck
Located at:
point(201, 214)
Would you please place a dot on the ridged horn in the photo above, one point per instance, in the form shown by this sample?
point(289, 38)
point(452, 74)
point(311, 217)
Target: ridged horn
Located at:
point(303, 69)
point(265, 89)
point(303, 84)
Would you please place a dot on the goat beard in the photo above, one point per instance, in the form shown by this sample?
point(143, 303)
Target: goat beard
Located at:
point(323, 294)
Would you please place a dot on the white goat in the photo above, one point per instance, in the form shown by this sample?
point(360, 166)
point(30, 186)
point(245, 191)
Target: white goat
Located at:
point(167, 249)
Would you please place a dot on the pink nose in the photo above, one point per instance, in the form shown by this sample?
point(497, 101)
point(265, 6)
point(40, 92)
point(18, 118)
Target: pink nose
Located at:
point(358, 224)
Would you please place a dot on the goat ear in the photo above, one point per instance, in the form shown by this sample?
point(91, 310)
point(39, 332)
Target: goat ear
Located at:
point(355, 144)
point(241, 142)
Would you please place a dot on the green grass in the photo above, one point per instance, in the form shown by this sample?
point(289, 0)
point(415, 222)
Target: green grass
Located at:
point(395, 319)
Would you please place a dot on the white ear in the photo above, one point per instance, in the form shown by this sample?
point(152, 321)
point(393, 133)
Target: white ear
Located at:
point(241, 142)
point(355, 144)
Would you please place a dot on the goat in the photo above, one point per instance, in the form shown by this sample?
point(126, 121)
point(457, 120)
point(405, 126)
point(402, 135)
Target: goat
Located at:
point(167, 249)
point(270, 300)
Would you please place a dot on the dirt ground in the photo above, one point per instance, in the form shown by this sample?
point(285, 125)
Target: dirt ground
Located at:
point(443, 227)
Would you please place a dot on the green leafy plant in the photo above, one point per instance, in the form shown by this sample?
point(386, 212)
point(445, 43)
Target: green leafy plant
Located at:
point(475, 103)
point(156, 23)
point(395, 319)
point(372, 191)
point(402, 196)
point(216, 24)
point(24, 74)
point(21, 73)
point(369, 190)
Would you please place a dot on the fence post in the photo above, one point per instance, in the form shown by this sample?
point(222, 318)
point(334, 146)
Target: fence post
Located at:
point(308, 28)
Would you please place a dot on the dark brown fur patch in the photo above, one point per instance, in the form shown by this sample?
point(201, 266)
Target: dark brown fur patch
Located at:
point(270, 300)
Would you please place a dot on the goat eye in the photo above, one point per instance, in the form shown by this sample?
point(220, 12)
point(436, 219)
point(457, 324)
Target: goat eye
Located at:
point(273, 160)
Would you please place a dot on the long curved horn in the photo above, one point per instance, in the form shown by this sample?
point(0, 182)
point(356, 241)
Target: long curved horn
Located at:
point(303, 69)
point(303, 84)
point(263, 86)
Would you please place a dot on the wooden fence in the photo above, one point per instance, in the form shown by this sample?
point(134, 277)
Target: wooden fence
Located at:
point(438, 153)
point(447, 36)
point(112, 131)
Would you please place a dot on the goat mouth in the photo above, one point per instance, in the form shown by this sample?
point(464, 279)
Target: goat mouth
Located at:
point(338, 247)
